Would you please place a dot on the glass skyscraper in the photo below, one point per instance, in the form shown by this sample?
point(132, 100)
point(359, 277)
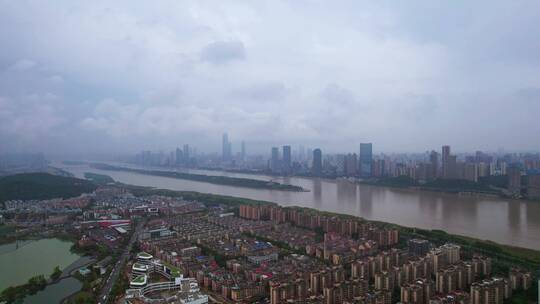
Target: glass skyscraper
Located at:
point(366, 159)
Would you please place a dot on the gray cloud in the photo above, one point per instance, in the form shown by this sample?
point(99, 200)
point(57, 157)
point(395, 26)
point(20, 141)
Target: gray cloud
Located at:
point(121, 76)
point(270, 91)
point(223, 51)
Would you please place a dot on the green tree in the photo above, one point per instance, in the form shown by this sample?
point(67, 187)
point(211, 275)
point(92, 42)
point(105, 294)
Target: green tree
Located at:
point(56, 273)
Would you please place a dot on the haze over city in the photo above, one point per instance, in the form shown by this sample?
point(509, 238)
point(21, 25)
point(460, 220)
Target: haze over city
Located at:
point(269, 152)
point(108, 77)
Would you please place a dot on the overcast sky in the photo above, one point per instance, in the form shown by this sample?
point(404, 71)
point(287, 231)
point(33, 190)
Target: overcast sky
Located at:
point(121, 76)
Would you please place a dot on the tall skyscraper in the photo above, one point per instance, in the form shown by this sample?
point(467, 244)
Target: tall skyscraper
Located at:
point(452, 167)
point(243, 151)
point(274, 160)
point(514, 179)
point(351, 165)
point(366, 159)
point(226, 147)
point(186, 153)
point(287, 159)
point(445, 158)
point(179, 156)
point(316, 168)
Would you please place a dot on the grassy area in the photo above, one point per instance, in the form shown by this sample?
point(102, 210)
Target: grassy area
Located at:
point(524, 296)
point(458, 185)
point(208, 199)
point(445, 185)
point(29, 186)
point(139, 279)
point(175, 271)
point(504, 256)
point(100, 179)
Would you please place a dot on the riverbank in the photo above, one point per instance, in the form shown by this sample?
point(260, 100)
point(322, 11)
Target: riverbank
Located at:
point(212, 179)
point(513, 222)
point(528, 258)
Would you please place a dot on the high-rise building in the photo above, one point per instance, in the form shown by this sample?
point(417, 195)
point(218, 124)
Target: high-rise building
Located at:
point(452, 252)
point(450, 279)
point(445, 161)
point(179, 156)
point(490, 291)
point(418, 247)
point(186, 153)
point(471, 172)
point(514, 179)
point(274, 160)
point(316, 168)
point(351, 165)
point(452, 167)
point(226, 147)
point(243, 151)
point(366, 159)
point(418, 292)
point(287, 159)
point(533, 186)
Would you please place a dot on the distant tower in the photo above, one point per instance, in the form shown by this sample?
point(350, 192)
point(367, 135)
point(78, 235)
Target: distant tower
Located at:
point(445, 161)
point(514, 179)
point(226, 147)
point(317, 162)
point(351, 164)
point(179, 156)
point(287, 159)
point(243, 151)
point(186, 153)
point(366, 159)
point(274, 161)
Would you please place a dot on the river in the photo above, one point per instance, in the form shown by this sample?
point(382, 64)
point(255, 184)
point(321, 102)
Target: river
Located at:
point(503, 221)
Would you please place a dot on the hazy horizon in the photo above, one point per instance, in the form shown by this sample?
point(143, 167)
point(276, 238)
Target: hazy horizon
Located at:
point(119, 77)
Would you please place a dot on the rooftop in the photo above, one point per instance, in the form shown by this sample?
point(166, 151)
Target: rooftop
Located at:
point(144, 255)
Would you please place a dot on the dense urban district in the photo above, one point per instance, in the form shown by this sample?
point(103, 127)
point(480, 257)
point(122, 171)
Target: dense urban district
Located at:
point(510, 175)
point(160, 246)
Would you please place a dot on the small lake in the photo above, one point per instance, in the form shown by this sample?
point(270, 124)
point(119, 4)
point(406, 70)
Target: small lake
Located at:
point(56, 292)
point(19, 262)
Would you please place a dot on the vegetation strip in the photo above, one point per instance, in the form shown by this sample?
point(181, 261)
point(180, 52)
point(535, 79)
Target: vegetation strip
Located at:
point(219, 180)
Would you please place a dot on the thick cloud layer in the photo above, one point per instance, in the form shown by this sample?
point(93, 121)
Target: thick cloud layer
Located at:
point(120, 76)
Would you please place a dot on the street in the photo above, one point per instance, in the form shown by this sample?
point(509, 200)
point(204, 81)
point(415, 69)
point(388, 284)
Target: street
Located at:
point(117, 268)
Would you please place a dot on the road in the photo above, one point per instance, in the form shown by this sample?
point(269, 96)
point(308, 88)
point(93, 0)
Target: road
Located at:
point(117, 268)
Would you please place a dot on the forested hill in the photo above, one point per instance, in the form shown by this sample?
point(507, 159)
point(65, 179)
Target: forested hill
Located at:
point(28, 186)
